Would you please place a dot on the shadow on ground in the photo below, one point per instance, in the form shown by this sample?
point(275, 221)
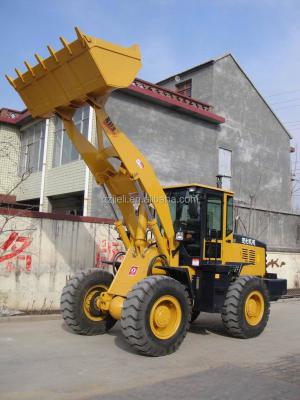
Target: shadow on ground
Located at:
point(208, 323)
point(205, 324)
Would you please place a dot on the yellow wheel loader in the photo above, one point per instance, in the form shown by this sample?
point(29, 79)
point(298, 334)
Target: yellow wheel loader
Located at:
point(182, 256)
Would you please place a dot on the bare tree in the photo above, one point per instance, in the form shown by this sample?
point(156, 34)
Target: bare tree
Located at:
point(15, 232)
point(9, 162)
point(244, 223)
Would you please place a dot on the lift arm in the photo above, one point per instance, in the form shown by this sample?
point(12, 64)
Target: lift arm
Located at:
point(87, 71)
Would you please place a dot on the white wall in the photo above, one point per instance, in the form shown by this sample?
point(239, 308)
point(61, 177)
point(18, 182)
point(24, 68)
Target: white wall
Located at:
point(286, 266)
point(38, 255)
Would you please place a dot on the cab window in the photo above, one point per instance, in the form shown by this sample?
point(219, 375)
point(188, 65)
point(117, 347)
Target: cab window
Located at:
point(214, 217)
point(185, 208)
point(229, 221)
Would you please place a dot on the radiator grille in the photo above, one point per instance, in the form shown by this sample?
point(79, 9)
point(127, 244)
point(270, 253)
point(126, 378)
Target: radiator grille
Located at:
point(245, 255)
point(252, 256)
point(248, 256)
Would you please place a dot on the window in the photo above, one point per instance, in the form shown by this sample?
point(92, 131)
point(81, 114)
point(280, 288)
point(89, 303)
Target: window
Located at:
point(64, 150)
point(32, 148)
point(69, 203)
point(229, 222)
point(225, 168)
point(184, 88)
point(214, 216)
point(185, 207)
point(31, 204)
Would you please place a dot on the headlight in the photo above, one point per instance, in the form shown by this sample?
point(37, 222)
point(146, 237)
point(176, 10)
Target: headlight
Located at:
point(179, 236)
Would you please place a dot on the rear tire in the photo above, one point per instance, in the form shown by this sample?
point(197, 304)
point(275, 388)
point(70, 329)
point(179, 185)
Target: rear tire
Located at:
point(246, 308)
point(156, 316)
point(78, 303)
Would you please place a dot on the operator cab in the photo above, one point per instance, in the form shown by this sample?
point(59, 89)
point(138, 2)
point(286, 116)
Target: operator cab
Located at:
point(202, 218)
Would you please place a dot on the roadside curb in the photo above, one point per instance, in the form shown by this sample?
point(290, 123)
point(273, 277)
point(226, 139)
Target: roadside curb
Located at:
point(27, 318)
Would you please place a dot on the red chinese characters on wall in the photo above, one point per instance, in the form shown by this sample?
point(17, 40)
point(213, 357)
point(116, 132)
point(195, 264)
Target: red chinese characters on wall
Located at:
point(14, 253)
point(106, 250)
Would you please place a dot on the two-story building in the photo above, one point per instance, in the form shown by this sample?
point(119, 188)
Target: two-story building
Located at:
point(208, 124)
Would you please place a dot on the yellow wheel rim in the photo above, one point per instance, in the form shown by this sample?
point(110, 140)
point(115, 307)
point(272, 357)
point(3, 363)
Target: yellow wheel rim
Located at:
point(91, 301)
point(254, 308)
point(165, 317)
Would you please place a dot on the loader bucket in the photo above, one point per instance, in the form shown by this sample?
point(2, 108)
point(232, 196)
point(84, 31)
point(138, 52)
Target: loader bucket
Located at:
point(83, 68)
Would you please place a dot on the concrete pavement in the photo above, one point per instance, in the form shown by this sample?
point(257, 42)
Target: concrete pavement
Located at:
point(44, 360)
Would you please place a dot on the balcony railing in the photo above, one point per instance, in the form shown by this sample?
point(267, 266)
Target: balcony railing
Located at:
point(176, 101)
point(171, 94)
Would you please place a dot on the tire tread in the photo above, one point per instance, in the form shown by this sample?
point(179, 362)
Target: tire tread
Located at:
point(232, 313)
point(133, 315)
point(70, 303)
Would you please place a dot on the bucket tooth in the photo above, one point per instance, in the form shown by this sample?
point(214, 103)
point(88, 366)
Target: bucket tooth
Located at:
point(52, 52)
point(65, 44)
point(81, 70)
point(80, 36)
point(10, 80)
point(29, 67)
point(19, 75)
point(40, 60)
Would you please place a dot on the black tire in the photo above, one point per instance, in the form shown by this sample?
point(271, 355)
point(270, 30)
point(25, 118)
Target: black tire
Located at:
point(72, 303)
point(136, 314)
point(234, 313)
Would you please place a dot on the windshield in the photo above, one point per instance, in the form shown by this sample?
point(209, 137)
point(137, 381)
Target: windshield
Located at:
point(184, 207)
point(185, 211)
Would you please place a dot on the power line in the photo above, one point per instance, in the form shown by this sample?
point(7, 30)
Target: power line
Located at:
point(293, 105)
point(279, 93)
point(285, 101)
point(292, 123)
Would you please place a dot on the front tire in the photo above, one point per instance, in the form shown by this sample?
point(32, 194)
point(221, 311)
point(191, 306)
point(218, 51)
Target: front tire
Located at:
point(156, 316)
point(79, 303)
point(246, 308)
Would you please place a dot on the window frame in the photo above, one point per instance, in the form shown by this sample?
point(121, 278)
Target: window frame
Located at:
point(223, 174)
point(186, 87)
point(27, 139)
point(64, 138)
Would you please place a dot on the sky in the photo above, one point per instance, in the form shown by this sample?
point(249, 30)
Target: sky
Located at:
point(174, 35)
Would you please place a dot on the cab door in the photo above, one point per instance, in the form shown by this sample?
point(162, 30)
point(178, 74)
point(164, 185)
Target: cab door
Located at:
point(213, 227)
point(232, 252)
